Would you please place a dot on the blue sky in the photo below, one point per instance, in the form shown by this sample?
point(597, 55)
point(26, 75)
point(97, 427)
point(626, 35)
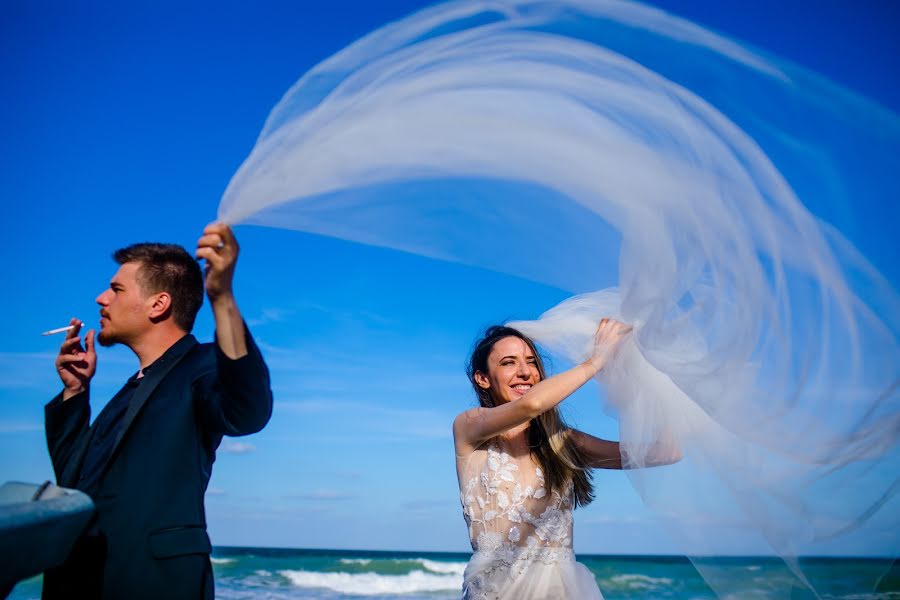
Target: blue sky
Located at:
point(125, 124)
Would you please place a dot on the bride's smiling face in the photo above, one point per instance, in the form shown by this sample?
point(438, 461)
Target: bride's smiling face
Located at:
point(512, 370)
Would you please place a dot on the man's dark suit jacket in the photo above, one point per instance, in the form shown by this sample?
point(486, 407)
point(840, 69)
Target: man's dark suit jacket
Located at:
point(149, 539)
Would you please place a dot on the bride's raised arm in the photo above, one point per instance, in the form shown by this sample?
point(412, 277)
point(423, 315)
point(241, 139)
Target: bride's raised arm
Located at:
point(516, 391)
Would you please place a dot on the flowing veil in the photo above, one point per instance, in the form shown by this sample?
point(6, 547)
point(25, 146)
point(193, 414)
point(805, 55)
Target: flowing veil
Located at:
point(611, 133)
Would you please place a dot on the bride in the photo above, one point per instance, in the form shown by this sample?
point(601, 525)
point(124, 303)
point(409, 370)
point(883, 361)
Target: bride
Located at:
point(521, 470)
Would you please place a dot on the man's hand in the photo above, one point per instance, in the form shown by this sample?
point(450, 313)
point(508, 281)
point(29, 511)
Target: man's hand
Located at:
point(75, 364)
point(220, 249)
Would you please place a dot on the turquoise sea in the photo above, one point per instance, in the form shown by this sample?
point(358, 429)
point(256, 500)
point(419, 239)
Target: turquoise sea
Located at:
point(275, 574)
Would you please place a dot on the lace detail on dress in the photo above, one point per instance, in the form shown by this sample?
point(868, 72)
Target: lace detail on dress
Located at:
point(490, 545)
point(511, 561)
point(512, 518)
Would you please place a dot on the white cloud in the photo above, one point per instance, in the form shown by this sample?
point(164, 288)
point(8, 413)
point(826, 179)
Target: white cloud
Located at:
point(305, 407)
point(11, 357)
point(269, 315)
point(19, 427)
point(375, 418)
point(324, 495)
point(430, 504)
point(27, 370)
point(35, 370)
point(614, 520)
point(233, 447)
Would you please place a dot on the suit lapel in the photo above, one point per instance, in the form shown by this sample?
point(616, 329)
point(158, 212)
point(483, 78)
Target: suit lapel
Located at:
point(146, 389)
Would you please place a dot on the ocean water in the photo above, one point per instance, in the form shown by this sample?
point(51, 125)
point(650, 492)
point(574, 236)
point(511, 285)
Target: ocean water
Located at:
point(276, 574)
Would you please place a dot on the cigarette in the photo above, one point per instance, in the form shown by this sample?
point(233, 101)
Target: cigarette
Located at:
point(61, 329)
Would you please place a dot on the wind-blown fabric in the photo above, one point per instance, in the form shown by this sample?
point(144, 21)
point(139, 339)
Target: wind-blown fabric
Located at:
point(610, 134)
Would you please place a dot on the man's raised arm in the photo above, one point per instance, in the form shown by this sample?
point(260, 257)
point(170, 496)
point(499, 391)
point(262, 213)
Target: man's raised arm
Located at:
point(242, 404)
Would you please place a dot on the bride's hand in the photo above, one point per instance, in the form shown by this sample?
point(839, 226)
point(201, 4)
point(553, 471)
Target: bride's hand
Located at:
point(609, 335)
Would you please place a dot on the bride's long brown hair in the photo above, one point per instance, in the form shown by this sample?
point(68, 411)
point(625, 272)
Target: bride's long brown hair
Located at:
point(548, 435)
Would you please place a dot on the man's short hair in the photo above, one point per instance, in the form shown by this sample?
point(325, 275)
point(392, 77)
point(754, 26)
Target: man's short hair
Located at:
point(168, 268)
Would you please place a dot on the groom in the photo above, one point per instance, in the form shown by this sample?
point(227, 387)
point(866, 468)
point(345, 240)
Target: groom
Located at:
point(147, 458)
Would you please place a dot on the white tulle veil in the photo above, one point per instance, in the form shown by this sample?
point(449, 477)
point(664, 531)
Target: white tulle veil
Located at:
point(607, 132)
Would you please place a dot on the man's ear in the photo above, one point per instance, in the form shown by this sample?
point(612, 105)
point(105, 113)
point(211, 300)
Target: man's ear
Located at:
point(482, 381)
point(160, 306)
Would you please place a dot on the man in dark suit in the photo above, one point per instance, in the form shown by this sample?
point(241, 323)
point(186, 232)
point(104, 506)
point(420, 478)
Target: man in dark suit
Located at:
point(147, 458)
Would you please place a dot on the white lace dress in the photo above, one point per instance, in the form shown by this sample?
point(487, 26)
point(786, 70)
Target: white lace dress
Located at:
point(520, 532)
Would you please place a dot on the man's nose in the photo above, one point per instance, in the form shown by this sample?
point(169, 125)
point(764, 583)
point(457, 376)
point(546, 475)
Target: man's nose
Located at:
point(101, 299)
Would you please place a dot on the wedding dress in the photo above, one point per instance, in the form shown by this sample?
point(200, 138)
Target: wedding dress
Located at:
point(521, 532)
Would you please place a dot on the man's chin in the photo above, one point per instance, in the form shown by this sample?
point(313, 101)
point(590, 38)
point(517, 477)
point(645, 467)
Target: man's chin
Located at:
point(107, 339)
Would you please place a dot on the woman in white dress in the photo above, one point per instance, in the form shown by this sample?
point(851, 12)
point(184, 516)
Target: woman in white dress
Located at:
point(522, 470)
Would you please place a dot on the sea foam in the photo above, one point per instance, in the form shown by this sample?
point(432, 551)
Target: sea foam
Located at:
point(450, 568)
point(373, 583)
point(640, 582)
point(433, 566)
point(356, 561)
